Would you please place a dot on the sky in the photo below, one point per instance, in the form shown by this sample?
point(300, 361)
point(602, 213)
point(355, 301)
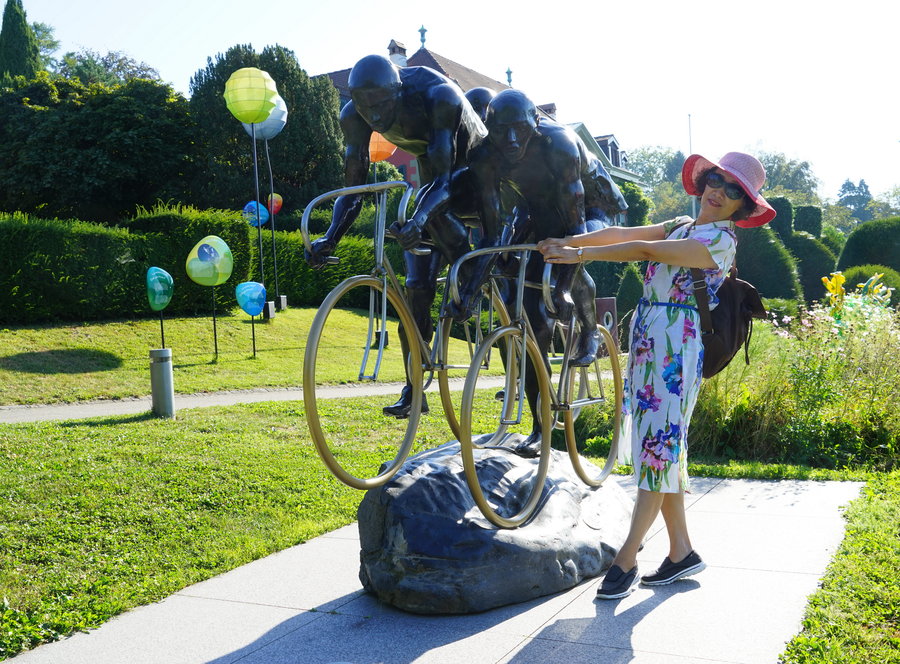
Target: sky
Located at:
point(814, 80)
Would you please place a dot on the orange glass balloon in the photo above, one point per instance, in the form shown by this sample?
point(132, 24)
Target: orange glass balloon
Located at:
point(380, 148)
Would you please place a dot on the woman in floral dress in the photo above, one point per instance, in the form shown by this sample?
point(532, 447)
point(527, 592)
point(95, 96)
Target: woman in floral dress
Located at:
point(666, 359)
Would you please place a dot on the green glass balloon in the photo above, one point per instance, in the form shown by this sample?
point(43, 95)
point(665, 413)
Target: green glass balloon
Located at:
point(159, 288)
point(210, 262)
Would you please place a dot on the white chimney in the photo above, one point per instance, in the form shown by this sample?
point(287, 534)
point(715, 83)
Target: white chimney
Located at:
point(397, 53)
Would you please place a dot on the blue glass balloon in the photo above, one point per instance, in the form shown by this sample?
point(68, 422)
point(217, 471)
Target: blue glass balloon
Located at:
point(251, 297)
point(256, 213)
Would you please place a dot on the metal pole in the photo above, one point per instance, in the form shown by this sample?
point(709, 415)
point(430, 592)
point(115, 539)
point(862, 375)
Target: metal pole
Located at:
point(690, 152)
point(262, 277)
point(162, 330)
point(272, 221)
point(253, 330)
point(215, 334)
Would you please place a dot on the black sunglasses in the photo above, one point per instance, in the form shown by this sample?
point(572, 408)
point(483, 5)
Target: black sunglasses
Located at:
point(732, 190)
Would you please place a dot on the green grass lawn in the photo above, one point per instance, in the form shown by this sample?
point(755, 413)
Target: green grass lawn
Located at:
point(101, 515)
point(64, 363)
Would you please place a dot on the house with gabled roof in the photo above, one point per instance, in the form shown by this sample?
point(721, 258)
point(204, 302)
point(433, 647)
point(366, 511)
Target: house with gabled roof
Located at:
point(604, 147)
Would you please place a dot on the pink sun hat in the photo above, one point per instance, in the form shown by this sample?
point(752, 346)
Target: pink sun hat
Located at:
point(746, 169)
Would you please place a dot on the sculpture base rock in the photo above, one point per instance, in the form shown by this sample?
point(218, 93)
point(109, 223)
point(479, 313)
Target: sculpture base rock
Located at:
point(426, 547)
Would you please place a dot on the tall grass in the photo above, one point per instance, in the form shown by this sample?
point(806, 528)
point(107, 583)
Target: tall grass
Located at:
point(820, 390)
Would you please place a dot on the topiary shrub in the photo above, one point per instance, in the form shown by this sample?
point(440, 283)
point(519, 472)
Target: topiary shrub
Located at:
point(814, 261)
point(833, 239)
point(765, 262)
point(808, 219)
point(639, 204)
point(873, 243)
point(630, 290)
point(859, 274)
point(783, 223)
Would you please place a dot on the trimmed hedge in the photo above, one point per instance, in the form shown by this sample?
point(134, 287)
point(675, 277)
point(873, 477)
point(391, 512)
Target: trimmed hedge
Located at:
point(68, 270)
point(814, 261)
point(873, 243)
point(630, 291)
point(765, 262)
point(76, 270)
point(783, 223)
point(859, 274)
point(808, 219)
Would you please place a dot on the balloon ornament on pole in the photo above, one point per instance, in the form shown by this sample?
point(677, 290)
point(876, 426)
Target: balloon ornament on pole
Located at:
point(209, 264)
point(159, 293)
point(251, 94)
point(251, 297)
point(270, 128)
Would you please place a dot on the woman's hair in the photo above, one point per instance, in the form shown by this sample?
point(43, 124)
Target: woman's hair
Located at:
point(748, 205)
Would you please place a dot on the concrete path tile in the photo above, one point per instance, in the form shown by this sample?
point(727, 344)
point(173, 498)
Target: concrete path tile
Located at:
point(178, 630)
point(341, 638)
point(542, 651)
point(322, 574)
point(722, 615)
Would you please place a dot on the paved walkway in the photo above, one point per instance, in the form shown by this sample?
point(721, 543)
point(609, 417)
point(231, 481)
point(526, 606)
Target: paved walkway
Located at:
point(766, 544)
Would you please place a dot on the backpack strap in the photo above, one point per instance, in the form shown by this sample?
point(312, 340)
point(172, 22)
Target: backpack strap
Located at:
point(701, 294)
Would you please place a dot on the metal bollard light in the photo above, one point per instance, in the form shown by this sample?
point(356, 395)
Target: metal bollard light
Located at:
point(162, 388)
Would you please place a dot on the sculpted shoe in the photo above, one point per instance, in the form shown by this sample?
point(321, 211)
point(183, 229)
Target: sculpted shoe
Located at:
point(617, 583)
point(401, 409)
point(586, 348)
point(530, 447)
point(669, 572)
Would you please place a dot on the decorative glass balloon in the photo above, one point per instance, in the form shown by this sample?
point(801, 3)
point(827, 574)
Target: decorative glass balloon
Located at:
point(380, 148)
point(210, 261)
point(159, 288)
point(252, 209)
point(272, 125)
point(275, 201)
point(250, 94)
point(251, 297)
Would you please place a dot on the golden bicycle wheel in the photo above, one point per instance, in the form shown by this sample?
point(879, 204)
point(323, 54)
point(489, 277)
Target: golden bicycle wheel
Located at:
point(349, 336)
point(602, 381)
point(510, 339)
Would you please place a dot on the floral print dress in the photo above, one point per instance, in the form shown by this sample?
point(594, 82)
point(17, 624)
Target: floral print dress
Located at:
point(665, 362)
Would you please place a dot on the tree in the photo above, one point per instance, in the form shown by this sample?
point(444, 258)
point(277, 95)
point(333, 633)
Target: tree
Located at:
point(788, 173)
point(305, 156)
point(114, 68)
point(47, 45)
point(656, 164)
point(886, 204)
point(856, 198)
point(639, 204)
point(90, 152)
point(669, 201)
point(19, 54)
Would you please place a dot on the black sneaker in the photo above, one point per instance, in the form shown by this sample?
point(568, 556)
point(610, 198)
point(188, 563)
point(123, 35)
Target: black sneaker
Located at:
point(617, 583)
point(669, 571)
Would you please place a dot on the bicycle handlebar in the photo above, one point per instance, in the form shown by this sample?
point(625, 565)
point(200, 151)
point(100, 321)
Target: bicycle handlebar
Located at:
point(350, 191)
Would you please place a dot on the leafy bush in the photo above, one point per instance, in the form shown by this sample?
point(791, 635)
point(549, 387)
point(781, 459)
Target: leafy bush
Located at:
point(873, 243)
point(92, 153)
point(808, 219)
point(783, 223)
point(820, 391)
point(764, 261)
point(858, 274)
point(832, 238)
point(814, 261)
point(606, 275)
point(779, 308)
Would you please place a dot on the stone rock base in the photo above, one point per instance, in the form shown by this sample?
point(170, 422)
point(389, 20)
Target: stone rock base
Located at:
point(426, 547)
